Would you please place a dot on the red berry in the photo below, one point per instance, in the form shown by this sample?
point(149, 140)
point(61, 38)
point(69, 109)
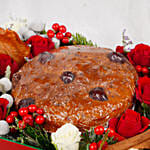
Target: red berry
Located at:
point(23, 111)
point(104, 146)
point(32, 108)
point(144, 70)
point(68, 34)
point(62, 29)
point(21, 124)
point(93, 146)
point(111, 132)
point(50, 33)
point(10, 119)
point(40, 111)
point(65, 40)
point(99, 130)
point(138, 68)
point(39, 120)
point(55, 26)
point(14, 114)
point(59, 35)
point(28, 119)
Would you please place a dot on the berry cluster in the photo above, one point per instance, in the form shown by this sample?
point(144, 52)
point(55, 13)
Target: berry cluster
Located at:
point(141, 69)
point(28, 115)
point(60, 32)
point(99, 135)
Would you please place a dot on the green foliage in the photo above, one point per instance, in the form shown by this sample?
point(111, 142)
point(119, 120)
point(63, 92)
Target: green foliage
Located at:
point(37, 136)
point(145, 110)
point(89, 137)
point(79, 39)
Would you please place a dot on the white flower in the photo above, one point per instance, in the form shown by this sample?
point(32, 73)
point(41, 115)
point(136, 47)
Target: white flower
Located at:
point(37, 26)
point(15, 24)
point(67, 137)
point(6, 84)
point(9, 98)
point(4, 127)
point(28, 34)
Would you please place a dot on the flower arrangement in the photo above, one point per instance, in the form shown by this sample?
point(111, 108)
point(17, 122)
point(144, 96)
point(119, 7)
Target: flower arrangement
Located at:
point(27, 123)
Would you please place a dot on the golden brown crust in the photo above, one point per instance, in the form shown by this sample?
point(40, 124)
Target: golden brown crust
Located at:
point(11, 45)
point(71, 102)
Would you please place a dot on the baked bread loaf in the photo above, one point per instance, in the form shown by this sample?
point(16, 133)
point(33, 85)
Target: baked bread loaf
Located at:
point(11, 45)
point(82, 85)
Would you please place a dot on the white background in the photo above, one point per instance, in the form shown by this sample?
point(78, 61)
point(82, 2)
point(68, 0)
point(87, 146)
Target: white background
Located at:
point(102, 21)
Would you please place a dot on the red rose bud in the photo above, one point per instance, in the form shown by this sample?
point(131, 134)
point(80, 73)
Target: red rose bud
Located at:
point(140, 55)
point(143, 90)
point(119, 49)
point(3, 108)
point(130, 124)
point(6, 60)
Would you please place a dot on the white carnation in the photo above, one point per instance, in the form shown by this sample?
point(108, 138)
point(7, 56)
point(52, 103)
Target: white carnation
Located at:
point(67, 137)
point(6, 83)
point(4, 127)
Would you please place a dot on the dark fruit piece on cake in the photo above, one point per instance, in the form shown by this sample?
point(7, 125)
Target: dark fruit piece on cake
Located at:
point(98, 94)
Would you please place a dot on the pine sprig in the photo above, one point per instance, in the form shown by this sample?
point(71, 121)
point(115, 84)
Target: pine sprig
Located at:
point(35, 136)
point(79, 39)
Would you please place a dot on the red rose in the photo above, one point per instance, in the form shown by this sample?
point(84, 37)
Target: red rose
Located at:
point(40, 44)
point(143, 90)
point(119, 49)
point(130, 124)
point(6, 60)
point(140, 55)
point(3, 108)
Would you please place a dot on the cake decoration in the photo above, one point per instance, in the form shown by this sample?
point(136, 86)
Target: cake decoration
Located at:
point(45, 57)
point(98, 94)
point(116, 57)
point(67, 77)
point(26, 102)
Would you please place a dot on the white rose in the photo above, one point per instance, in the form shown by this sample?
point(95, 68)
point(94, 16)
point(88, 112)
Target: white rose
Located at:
point(67, 137)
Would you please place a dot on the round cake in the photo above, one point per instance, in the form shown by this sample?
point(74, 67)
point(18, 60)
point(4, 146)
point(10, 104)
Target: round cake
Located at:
point(82, 85)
